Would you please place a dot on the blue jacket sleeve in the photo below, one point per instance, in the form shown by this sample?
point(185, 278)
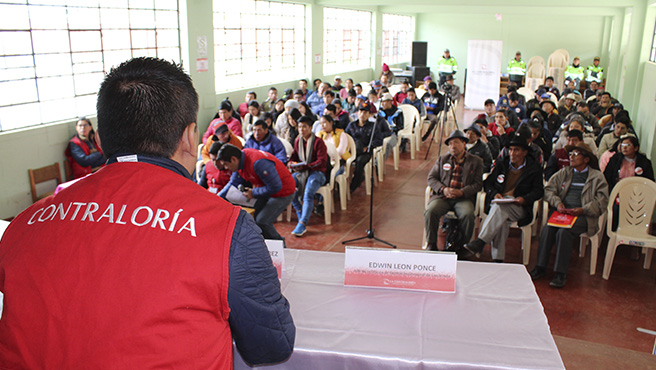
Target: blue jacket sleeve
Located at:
point(93, 159)
point(235, 180)
point(260, 320)
point(266, 171)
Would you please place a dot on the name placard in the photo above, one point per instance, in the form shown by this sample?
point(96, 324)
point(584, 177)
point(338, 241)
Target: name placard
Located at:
point(277, 255)
point(400, 269)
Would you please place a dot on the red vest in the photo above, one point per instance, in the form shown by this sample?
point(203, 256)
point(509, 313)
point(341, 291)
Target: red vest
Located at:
point(76, 168)
point(127, 268)
point(248, 173)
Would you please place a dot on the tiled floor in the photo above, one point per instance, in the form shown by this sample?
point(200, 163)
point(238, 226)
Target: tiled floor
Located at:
point(591, 318)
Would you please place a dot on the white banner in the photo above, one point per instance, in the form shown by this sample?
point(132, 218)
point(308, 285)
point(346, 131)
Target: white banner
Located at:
point(483, 72)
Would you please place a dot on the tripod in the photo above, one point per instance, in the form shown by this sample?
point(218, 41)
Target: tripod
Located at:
point(448, 106)
point(370, 231)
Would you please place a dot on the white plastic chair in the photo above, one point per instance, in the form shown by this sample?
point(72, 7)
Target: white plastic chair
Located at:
point(343, 179)
point(394, 89)
point(289, 149)
point(595, 241)
point(379, 154)
point(367, 168)
point(411, 122)
point(527, 93)
point(637, 196)
point(527, 230)
point(199, 162)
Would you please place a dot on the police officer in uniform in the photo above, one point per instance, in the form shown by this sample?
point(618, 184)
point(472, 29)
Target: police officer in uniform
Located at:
point(447, 66)
point(517, 69)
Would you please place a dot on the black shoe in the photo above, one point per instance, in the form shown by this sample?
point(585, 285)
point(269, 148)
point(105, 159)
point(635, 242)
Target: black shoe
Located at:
point(497, 261)
point(426, 135)
point(537, 272)
point(318, 209)
point(476, 247)
point(559, 280)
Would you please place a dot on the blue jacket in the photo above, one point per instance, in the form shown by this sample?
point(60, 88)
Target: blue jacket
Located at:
point(395, 120)
point(270, 144)
point(314, 99)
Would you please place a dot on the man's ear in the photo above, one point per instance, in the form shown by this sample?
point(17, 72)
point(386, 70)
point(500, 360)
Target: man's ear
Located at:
point(189, 140)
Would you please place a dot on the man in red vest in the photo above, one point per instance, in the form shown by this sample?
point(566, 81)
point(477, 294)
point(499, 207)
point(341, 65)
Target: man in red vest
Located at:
point(135, 266)
point(273, 186)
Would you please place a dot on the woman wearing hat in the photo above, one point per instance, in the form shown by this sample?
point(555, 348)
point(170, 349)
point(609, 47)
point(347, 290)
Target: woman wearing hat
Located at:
point(578, 190)
point(477, 147)
point(552, 119)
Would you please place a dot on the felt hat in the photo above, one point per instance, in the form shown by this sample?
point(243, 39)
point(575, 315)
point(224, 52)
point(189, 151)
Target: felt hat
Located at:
point(518, 140)
point(585, 150)
point(474, 128)
point(456, 134)
point(542, 113)
point(386, 97)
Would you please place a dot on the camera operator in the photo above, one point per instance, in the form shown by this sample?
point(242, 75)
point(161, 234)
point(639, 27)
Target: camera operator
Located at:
point(451, 89)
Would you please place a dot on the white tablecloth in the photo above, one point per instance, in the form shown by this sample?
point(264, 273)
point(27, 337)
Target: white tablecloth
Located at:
point(494, 320)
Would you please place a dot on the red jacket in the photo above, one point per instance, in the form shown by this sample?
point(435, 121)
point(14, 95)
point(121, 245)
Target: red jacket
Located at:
point(248, 172)
point(114, 272)
point(216, 179)
point(77, 169)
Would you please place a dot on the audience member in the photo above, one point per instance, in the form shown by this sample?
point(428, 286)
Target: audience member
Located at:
point(283, 121)
point(604, 107)
point(83, 152)
point(337, 84)
point(492, 141)
point(552, 120)
point(289, 127)
point(224, 117)
point(592, 121)
point(263, 139)
point(393, 116)
point(105, 294)
point(560, 158)
point(591, 90)
point(212, 178)
point(414, 101)
point(278, 109)
point(272, 97)
point(243, 107)
point(540, 136)
point(400, 96)
point(337, 137)
point(254, 113)
point(303, 86)
point(454, 180)
point(516, 107)
point(477, 147)
point(363, 130)
point(578, 190)
point(308, 163)
point(343, 93)
point(316, 98)
point(576, 123)
point(516, 177)
point(434, 103)
point(273, 185)
point(568, 106)
point(549, 86)
point(620, 127)
point(222, 134)
point(627, 162)
point(389, 75)
point(427, 80)
point(500, 127)
point(342, 117)
point(490, 110)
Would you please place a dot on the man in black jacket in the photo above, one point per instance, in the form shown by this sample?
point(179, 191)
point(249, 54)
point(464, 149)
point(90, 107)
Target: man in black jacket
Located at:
point(513, 185)
point(478, 147)
point(361, 132)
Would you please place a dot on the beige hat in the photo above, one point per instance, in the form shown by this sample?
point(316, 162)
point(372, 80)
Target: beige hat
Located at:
point(571, 96)
point(386, 97)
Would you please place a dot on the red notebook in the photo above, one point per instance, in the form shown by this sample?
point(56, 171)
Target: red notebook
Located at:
point(558, 219)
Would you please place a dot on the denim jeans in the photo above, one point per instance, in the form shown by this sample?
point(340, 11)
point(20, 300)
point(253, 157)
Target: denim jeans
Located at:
point(315, 180)
point(265, 218)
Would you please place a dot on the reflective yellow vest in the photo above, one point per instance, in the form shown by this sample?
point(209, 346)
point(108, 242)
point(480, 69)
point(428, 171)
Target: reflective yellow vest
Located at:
point(574, 73)
point(516, 68)
point(447, 65)
point(595, 73)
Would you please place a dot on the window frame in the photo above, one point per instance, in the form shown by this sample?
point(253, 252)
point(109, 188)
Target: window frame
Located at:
point(338, 57)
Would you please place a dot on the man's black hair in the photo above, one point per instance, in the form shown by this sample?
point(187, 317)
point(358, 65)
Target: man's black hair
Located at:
point(252, 93)
point(330, 93)
point(144, 105)
point(513, 96)
point(337, 102)
point(606, 93)
point(432, 85)
point(215, 147)
point(357, 85)
point(303, 79)
point(315, 81)
point(254, 103)
point(305, 119)
point(298, 91)
point(352, 93)
point(331, 107)
point(582, 104)
point(273, 88)
point(262, 123)
point(268, 115)
point(227, 152)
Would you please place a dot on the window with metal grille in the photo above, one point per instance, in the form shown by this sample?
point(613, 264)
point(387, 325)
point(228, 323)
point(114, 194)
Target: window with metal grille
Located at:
point(398, 33)
point(346, 40)
point(257, 42)
point(55, 53)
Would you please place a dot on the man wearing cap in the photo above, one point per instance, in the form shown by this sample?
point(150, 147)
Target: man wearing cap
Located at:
point(595, 72)
point(446, 66)
point(454, 90)
point(477, 147)
point(263, 139)
point(434, 103)
point(361, 132)
point(578, 190)
point(222, 134)
point(517, 178)
point(575, 72)
point(568, 107)
point(560, 158)
point(455, 179)
point(517, 69)
point(552, 120)
point(550, 87)
point(224, 117)
point(393, 115)
point(490, 109)
point(337, 84)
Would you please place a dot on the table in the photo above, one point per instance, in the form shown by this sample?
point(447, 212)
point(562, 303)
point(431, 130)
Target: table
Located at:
point(494, 320)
